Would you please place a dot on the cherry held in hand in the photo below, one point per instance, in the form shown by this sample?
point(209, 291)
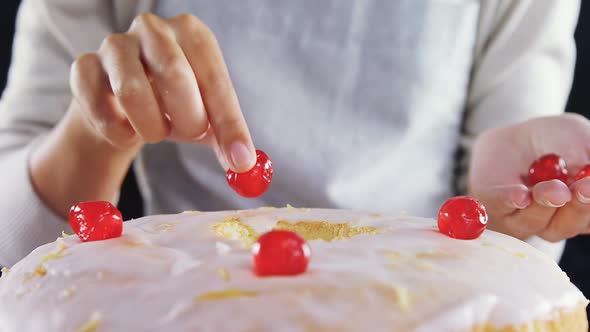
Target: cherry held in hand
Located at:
point(462, 218)
point(254, 182)
point(548, 167)
point(583, 173)
point(280, 253)
point(94, 221)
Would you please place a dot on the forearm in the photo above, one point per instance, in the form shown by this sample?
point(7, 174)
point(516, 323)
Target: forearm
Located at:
point(73, 164)
point(25, 221)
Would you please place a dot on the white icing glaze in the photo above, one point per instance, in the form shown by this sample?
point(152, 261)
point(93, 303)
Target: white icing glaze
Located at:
point(408, 277)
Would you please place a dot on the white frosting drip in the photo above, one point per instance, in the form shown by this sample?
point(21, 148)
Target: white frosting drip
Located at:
point(408, 277)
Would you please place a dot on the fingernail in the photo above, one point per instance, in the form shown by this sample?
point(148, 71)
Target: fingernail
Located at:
point(582, 198)
point(520, 205)
point(521, 199)
point(548, 203)
point(241, 157)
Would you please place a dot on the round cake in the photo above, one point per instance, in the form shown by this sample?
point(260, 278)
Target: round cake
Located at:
point(368, 272)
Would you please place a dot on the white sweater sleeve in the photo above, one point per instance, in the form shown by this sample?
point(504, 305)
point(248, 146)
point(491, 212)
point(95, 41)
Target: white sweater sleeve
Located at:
point(37, 95)
point(524, 61)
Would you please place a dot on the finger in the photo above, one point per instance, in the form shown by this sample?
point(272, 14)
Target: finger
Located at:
point(504, 199)
point(573, 218)
point(547, 197)
point(172, 75)
point(551, 194)
point(501, 202)
point(120, 56)
point(91, 90)
point(220, 99)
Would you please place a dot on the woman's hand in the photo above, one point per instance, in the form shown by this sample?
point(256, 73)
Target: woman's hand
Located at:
point(164, 79)
point(551, 210)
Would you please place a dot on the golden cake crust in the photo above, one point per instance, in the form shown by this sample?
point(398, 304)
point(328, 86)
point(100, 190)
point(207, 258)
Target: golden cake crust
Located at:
point(566, 321)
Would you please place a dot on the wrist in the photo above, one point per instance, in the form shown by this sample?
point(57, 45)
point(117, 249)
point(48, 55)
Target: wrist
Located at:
point(74, 163)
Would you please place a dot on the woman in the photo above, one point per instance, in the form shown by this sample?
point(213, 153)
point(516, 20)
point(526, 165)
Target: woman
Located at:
point(359, 105)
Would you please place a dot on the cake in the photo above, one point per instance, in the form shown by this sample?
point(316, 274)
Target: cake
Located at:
point(368, 272)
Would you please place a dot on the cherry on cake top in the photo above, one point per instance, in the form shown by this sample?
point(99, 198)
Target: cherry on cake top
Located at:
point(96, 220)
point(462, 218)
point(280, 253)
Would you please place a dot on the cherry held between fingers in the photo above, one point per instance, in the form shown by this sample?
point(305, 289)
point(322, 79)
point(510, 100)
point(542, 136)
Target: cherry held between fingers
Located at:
point(584, 172)
point(255, 181)
point(546, 168)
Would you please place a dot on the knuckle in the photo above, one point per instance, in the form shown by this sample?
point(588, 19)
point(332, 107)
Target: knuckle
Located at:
point(129, 87)
point(191, 25)
point(148, 24)
point(119, 133)
point(174, 62)
point(192, 132)
point(156, 135)
point(192, 32)
point(203, 37)
point(84, 67)
point(186, 21)
point(85, 61)
point(191, 126)
point(114, 41)
point(200, 130)
point(143, 20)
point(172, 66)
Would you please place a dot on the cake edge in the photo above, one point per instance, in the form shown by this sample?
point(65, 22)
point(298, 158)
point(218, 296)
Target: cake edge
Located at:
point(567, 320)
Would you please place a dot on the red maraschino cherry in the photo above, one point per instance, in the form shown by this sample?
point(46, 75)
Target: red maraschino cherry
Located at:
point(546, 168)
point(462, 218)
point(254, 182)
point(94, 221)
point(280, 253)
point(583, 173)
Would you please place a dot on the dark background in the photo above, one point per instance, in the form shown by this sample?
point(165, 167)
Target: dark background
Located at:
point(575, 260)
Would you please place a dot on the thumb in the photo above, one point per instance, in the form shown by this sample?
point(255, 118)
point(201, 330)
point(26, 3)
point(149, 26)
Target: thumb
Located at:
point(211, 141)
point(208, 139)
